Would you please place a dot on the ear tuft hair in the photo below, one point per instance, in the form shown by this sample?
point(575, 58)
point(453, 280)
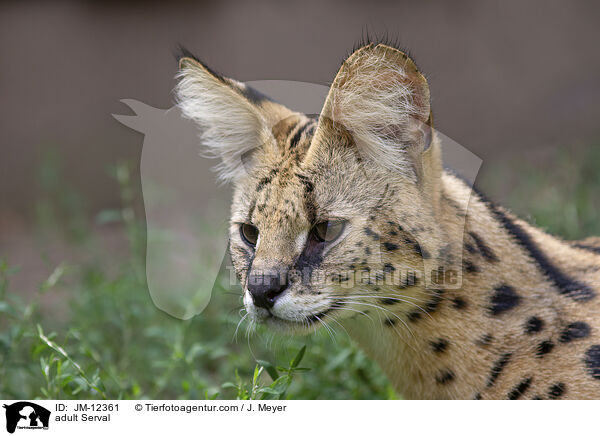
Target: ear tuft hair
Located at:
point(385, 39)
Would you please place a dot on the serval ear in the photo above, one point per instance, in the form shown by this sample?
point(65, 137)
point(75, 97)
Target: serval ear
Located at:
point(379, 101)
point(234, 119)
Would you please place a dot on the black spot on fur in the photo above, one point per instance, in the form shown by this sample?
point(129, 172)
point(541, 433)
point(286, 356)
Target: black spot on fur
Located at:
point(439, 345)
point(390, 322)
point(435, 301)
point(485, 340)
point(470, 267)
point(390, 246)
point(389, 301)
point(477, 396)
point(592, 361)
point(417, 248)
point(483, 248)
point(556, 391)
point(498, 368)
point(537, 397)
point(459, 303)
point(445, 377)
point(371, 233)
point(470, 248)
point(534, 325)
point(576, 330)
point(503, 299)
point(544, 348)
point(414, 316)
point(388, 268)
point(520, 389)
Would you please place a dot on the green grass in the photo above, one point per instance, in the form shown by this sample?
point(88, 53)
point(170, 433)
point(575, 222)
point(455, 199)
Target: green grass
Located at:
point(116, 344)
point(112, 342)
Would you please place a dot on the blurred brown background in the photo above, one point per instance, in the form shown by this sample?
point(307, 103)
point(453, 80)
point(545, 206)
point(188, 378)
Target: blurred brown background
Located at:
point(509, 79)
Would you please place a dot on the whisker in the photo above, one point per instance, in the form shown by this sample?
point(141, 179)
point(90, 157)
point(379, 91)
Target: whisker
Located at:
point(383, 297)
point(238, 326)
point(250, 326)
point(340, 324)
point(370, 293)
point(343, 307)
point(327, 327)
point(351, 297)
point(393, 314)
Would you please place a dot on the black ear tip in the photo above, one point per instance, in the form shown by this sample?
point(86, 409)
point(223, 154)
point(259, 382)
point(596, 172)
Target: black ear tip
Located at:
point(181, 52)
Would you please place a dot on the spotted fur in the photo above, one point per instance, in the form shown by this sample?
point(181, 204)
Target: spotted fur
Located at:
point(450, 293)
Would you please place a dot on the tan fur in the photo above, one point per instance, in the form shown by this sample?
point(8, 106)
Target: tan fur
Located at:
point(368, 161)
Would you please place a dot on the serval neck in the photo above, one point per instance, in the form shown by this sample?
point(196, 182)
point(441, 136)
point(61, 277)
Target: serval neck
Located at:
point(448, 350)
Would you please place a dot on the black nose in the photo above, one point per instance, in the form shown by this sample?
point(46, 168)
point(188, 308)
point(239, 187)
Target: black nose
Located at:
point(265, 286)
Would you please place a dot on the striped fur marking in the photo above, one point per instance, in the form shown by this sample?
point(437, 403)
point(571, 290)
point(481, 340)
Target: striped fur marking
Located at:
point(566, 285)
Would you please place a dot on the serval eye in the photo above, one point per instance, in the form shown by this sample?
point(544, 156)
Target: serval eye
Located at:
point(249, 234)
point(329, 231)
